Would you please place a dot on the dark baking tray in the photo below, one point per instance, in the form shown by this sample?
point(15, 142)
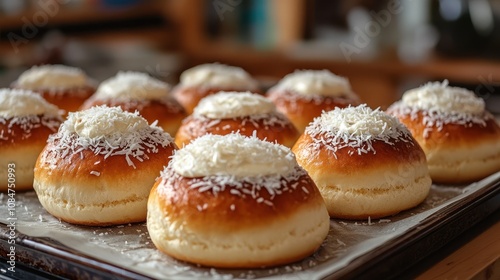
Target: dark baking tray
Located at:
point(42, 257)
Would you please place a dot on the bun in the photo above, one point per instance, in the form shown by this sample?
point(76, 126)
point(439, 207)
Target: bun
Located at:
point(135, 91)
point(206, 79)
point(26, 121)
point(304, 95)
point(364, 162)
point(99, 167)
point(236, 202)
point(243, 112)
point(461, 139)
point(64, 86)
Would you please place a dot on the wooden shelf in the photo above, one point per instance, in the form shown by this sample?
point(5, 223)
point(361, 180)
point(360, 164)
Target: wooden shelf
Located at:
point(74, 15)
point(378, 81)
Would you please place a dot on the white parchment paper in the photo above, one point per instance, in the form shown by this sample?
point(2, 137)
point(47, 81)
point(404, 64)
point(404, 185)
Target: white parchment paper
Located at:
point(129, 246)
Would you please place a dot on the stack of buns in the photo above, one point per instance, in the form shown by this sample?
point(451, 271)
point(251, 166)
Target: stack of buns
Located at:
point(26, 121)
point(460, 138)
point(136, 91)
point(242, 112)
point(64, 86)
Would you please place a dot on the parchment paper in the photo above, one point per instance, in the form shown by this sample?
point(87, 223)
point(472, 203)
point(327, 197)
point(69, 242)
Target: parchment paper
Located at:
point(129, 246)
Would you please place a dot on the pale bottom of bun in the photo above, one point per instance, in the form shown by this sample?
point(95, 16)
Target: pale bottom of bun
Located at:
point(455, 166)
point(73, 204)
point(280, 242)
point(23, 160)
point(464, 171)
point(374, 194)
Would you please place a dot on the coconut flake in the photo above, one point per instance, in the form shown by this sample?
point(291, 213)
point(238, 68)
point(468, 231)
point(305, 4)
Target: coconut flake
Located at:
point(439, 105)
point(108, 131)
point(315, 82)
point(219, 76)
point(225, 105)
point(52, 77)
point(132, 85)
point(246, 166)
point(357, 128)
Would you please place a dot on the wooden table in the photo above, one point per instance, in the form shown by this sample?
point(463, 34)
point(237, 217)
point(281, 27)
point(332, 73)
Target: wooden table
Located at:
point(473, 255)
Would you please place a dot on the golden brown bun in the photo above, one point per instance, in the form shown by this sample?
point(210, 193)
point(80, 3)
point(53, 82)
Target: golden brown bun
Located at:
point(189, 96)
point(68, 100)
point(302, 110)
point(22, 147)
point(169, 114)
point(88, 189)
point(374, 185)
point(457, 153)
point(232, 231)
point(193, 127)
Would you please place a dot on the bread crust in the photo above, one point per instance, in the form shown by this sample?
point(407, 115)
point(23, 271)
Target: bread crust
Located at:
point(301, 110)
point(190, 96)
point(69, 99)
point(456, 153)
point(21, 144)
point(282, 132)
point(169, 114)
point(375, 185)
point(236, 231)
point(91, 189)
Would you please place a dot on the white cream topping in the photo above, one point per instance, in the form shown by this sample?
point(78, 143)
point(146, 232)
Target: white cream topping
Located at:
point(356, 127)
point(17, 103)
point(108, 131)
point(233, 155)
point(52, 77)
point(443, 98)
point(225, 105)
point(316, 82)
point(218, 75)
point(104, 121)
point(132, 85)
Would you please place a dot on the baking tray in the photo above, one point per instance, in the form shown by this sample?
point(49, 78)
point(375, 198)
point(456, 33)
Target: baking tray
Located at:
point(381, 248)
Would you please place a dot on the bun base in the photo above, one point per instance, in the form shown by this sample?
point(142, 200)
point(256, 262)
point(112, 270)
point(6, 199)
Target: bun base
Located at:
point(457, 154)
point(88, 189)
point(24, 159)
point(232, 231)
point(394, 179)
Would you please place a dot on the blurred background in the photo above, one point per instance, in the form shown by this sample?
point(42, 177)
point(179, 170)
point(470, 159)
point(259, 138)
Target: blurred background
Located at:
point(383, 47)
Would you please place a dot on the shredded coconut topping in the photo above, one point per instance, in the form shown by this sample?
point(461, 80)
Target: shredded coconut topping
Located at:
point(443, 98)
point(218, 75)
point(356, 127)
point(18, 103)
point(108, 131)
point(440, 104)
point(233, 155)
point(52, 76)
point(26, 110)
point(132, 85)
point(316, 82)
point(225, 105)
point(245, 164)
